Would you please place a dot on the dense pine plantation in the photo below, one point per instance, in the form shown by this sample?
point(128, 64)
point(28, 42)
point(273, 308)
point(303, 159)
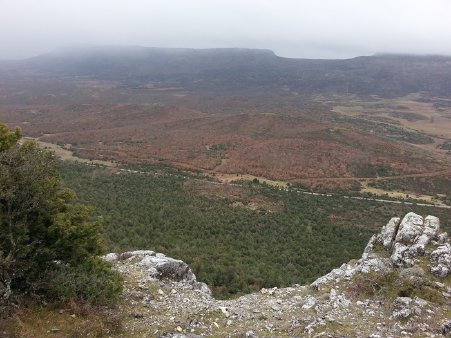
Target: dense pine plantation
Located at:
point(234, 249)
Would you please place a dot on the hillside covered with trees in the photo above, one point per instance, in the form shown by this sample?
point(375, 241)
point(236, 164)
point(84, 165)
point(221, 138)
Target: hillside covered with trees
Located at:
point(236, 239)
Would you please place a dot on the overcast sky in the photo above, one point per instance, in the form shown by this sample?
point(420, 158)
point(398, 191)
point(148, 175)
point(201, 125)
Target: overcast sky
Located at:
point(292, 28)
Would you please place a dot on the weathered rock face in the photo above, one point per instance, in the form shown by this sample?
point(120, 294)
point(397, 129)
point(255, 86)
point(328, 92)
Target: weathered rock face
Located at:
point(157, 266)
point(441, 261)
point(400, 244)
point(165, 300)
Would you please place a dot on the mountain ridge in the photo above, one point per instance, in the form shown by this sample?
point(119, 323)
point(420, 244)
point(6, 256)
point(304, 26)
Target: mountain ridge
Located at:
point(233, 70)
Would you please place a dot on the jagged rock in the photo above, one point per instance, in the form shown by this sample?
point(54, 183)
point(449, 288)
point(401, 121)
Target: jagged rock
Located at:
point(400, 255)
point(412, 238)
point(338, 300)
point(441, 260)
point(376, 264)
point(410, 228)
point(430, 231)
point(202, 288)
point(446, 328)
point(346, 271)
point(389, 232)
point(431, 226)
point(410, 249)
point(168, 268)
point(158, 266)
point(441, 239)
point(404, 307)
point(399, 245)
point(401, 306)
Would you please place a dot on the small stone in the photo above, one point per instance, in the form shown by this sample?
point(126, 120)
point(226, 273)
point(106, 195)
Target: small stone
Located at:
point(137, 315)
point(224, 311)
point(250, 334)
point(446, 327)
point(179, 329)
point(440, 285)
point(311, 302)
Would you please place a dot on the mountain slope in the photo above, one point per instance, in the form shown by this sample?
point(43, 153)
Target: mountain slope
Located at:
point(236, 69)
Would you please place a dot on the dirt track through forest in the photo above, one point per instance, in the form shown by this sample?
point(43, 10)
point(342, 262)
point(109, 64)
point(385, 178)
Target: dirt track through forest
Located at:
point(68, 155)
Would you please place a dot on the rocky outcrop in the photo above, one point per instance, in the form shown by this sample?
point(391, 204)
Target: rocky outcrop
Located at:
point(441, 261)
point(156, 266)
point(400, 244)
point(164, 299)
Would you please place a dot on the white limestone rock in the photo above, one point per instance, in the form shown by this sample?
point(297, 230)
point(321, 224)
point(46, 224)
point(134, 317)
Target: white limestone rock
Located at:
point(399, 257)
point(346, 271)
point(338, 300)
point(404, 307)
point(377, 264)
point(401, 307)
point(442, 238)
point(410, 229)
point(389, 231)
point(368, 251)
point(158, 266)
point(168, 268)
point(441, 261)
point(431, 226)
point(311, 302)
point(110, 257)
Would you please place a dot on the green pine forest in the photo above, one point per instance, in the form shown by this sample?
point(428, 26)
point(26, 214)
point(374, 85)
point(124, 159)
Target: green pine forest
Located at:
point(234, 249)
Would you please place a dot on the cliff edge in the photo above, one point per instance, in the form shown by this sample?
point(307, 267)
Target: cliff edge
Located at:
point(401, 286)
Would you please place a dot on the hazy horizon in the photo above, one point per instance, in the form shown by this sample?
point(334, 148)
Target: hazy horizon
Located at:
point(327, 29)
point(66, 50)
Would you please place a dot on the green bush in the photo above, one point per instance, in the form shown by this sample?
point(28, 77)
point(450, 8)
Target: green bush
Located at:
point(92, 281)
point(42, 229)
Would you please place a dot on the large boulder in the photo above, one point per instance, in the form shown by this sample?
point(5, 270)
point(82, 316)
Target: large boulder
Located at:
point(410, 229)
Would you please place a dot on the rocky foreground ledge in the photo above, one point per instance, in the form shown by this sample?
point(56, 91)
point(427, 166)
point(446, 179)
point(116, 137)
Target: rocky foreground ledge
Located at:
point(400, 287)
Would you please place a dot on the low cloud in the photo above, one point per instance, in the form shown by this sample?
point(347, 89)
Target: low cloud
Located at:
point(292, 28)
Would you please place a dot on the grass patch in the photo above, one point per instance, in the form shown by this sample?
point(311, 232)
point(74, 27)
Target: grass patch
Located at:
point(63, 320)
point(391, 285)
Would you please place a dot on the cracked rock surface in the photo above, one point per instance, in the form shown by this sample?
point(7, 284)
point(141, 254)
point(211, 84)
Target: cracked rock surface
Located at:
point(162, 297)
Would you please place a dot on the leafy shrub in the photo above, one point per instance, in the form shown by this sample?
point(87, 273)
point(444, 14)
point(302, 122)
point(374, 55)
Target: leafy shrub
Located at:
point(43, 232)
point(92, 281)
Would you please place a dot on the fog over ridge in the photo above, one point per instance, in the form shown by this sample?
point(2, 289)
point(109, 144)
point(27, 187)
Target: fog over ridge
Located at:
point(301, 29)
